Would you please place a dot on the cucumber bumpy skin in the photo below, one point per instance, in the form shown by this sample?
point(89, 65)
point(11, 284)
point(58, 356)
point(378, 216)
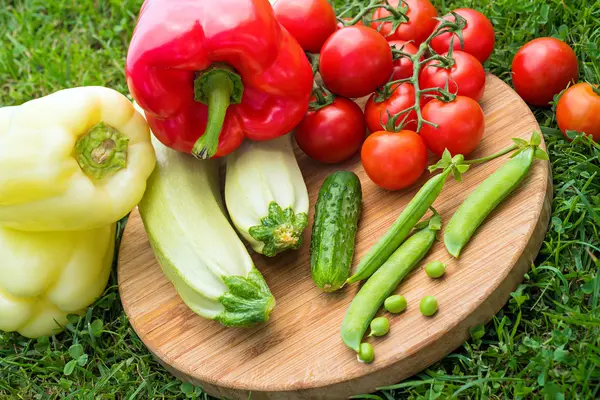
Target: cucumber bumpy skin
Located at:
point(334, 231)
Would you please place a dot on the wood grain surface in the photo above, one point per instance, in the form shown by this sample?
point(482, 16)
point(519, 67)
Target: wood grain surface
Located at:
point(299, 354)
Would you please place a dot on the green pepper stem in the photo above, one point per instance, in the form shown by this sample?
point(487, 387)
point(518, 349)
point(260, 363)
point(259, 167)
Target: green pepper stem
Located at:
point(218, 88)
point(102, 151)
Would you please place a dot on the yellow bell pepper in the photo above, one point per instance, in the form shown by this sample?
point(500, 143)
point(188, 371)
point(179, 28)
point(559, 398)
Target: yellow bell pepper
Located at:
point(46, 276)
point(77, 159)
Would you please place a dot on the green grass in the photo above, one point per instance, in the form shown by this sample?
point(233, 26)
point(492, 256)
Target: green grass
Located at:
point(544, 344)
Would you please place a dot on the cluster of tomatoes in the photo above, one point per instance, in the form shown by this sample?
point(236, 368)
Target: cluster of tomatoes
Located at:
point(424, 83)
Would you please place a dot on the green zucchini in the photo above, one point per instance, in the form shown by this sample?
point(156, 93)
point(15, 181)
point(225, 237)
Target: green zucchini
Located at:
point(334, 231)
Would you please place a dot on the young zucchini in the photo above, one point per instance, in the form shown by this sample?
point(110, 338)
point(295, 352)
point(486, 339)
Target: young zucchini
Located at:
point(334, 231)
point(266, 195)
point(196, 246)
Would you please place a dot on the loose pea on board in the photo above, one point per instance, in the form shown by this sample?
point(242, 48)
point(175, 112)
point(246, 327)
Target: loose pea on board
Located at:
point(366, 353)
point(378, 287)
point(428, 306)
point(435, 269)
point(395, 304)
point(380, 326)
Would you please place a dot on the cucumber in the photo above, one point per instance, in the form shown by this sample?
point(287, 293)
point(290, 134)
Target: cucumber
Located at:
point(334, 231)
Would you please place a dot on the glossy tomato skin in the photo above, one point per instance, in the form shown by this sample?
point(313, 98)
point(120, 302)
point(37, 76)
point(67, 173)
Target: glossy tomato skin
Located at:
point(394, 160)
point(310, 22)
point(403, 67)
point(422, 22)
point(461, 125)
point(579, 110)
point(355, 61)
point(465, 78)
point(479, 36)
point(376, 114)
point(542, 69)
point(332, 134)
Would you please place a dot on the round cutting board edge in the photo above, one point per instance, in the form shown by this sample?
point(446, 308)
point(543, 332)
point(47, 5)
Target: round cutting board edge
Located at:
point(338, 387)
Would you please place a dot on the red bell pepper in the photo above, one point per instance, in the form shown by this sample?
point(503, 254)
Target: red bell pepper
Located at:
point(210, 73)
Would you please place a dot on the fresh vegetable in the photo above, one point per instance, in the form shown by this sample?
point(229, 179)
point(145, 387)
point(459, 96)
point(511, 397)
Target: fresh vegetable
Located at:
point(442, 64)
point(421, 22)
point(266, 195)
point(355, 61)
point(310, 22)
point(366, 353)
point(206, 82)
point(542, 69)
point(435, 269)
point(333, 133)
point(387, 114)
point(460, 126)
point(478, 35)
point(395, 304)
point(489, 194)
point(77, 159)
point(195, 245)
point(403, 66)
point(464, 77)
point(334, 231)
point(428, 306)
point(579, 110)
point(45, 276)
point(394, 160)
point(379, 286)
point(380, 326)
point(401, 228)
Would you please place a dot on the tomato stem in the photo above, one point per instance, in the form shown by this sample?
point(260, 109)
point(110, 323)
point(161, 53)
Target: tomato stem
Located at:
point(453, 27)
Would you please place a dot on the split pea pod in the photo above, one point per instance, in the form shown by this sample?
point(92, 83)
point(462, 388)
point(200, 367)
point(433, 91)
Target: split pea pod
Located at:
point(484, 199)
point(372, 295)
point(397, 234)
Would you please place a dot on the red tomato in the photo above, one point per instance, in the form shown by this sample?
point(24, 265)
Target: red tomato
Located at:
point(332, 134)
point(310, 22)
point(355, 61)
point(542, 69)
point(579, 110)
point(403, 67)
point(376, 114)
point(422, 22)
point(479, 37)
point(461, 124)
point(465, 78)
point(394, 160)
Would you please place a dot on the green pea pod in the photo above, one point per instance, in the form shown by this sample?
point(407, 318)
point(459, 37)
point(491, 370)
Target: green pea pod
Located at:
point(397, 234)
point(371, 296)
point(484, 199)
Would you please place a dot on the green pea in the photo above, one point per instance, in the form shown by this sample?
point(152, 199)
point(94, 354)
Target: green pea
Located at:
point(395, 304)
point(435, 269)
point(366, 353)
point(428, 306)
point(401, 228)
point(484, 199)
point(380, 326)
point(384, 281)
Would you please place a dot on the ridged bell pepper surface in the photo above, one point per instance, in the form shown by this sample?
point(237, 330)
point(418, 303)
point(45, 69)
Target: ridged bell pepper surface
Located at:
point(209, 73)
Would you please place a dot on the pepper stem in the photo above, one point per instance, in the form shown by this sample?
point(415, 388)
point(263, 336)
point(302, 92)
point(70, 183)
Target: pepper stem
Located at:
point(102, 151)
point(218, 87)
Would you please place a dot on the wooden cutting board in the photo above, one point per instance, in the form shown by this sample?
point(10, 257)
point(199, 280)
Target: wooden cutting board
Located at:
point(299, 354)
